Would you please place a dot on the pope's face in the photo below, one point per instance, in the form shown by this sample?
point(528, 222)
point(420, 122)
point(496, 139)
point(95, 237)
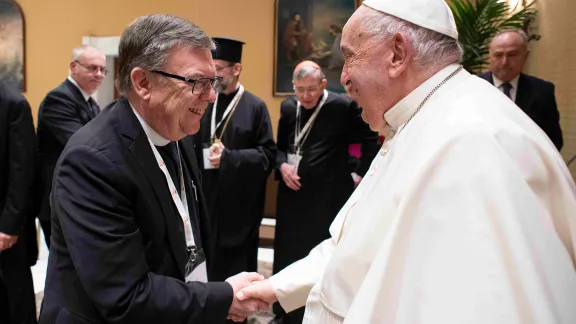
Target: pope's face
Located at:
point(365, 72)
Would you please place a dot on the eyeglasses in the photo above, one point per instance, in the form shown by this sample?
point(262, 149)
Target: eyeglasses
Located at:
point(218, 69)
point(93, 68)
point(303, 90)
point(199, 86)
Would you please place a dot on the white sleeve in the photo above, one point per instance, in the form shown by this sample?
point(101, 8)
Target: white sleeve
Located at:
point(293, 284)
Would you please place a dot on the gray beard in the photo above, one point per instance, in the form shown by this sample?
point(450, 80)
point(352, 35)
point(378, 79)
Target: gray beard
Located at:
point(222, 86)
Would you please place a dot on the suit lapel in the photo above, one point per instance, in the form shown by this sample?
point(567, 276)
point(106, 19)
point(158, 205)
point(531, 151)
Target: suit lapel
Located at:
point(522, 94)
point(140, 149)
point(80, 99)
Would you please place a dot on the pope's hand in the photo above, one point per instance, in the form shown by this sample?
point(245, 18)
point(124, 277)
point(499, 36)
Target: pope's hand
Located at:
point(262, 290)
point(290, 176)
point(240, 309)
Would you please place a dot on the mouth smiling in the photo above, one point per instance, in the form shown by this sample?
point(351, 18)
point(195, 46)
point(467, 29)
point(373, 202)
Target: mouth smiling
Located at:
point(197, 111)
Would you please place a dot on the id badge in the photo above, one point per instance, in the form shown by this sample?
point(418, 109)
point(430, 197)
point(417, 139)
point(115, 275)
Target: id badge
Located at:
point(294, 159)
point(195, 269)
point(198, 274)
point(206, 153)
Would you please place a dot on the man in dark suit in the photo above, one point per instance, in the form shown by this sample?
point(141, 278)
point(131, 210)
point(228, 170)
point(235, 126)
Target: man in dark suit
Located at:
point(64, 111)
point(131, 239)
point(17, 301)
point(508, 53)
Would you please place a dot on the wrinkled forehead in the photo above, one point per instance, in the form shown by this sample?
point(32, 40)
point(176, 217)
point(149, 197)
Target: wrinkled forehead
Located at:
point(92, 56)
point(310, 80)
point(508, 41)
point(354, 35)
point(190, 62)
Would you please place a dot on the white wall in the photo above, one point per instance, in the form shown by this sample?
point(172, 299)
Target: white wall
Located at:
point(108, 45)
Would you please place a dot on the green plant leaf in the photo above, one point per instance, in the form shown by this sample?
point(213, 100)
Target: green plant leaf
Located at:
point(478, 21)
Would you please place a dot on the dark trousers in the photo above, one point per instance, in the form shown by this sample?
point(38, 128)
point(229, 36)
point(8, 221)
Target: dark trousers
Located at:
point(17, 299)
point(232, 261)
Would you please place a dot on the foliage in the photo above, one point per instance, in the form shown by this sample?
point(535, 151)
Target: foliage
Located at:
point(479, 20)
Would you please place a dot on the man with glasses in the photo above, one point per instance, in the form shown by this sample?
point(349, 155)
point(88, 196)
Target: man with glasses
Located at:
point(63, 111)
point(236, 149)
point(315, 130)
point(132, 239)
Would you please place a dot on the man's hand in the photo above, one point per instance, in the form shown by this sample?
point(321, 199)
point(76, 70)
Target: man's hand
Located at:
point(239, 310)
point(216, 154)
point(290, 176)
point(262, 290)
point(357, 180)
point(215, 160)
point(7, 241)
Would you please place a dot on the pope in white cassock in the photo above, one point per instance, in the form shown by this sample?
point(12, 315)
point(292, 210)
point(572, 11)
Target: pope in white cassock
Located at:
point(467, 215)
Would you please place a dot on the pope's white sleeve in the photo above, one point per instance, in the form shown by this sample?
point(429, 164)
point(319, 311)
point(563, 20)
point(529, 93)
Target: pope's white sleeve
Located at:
point(293, 284)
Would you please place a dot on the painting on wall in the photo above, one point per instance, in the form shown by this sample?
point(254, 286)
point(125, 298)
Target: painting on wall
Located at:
point(12, 44)
point(309, 30)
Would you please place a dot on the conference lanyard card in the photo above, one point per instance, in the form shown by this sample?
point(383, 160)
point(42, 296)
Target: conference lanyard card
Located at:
point(294, 158)
point(196, 266)
point(206, 153)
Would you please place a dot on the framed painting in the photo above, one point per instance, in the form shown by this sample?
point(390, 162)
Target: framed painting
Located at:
point(12, 44)
point(309, 30)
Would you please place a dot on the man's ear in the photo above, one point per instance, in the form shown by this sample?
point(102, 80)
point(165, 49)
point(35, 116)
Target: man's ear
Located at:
point(237, 69)
point(141, 83)
point(323, 84)
point(401, 54)
point(72, 67)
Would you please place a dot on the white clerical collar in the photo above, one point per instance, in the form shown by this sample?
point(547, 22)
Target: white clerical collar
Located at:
point(151, 133)
point(513, 82)
point(84, 93)
point(401, 112)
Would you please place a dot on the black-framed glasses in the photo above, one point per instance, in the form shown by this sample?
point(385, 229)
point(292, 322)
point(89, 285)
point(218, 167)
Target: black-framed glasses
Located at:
point(218, 69)
point(199, 86)
point(93, 68)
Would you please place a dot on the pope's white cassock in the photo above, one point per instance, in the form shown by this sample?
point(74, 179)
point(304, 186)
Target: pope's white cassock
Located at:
point(466, 216)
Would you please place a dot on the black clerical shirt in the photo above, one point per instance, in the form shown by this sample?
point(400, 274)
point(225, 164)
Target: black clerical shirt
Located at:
point(223, 101)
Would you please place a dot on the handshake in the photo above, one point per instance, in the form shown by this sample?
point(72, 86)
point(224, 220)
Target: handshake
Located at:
point(252, 293)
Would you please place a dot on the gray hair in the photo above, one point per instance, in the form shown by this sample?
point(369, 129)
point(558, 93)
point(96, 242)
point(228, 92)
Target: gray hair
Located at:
point(146, 42)
point(305, 71)
point(518, 31)
point(431, 49)
point(78, 51)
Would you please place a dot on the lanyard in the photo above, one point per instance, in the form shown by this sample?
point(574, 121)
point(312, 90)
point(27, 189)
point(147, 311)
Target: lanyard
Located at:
point(181, 203)
point(298, 140)
point(231, 106)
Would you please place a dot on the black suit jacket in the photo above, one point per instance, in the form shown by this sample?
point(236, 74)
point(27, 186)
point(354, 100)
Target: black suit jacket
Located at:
point(118, 249)
point(62, 112)
point(536, 98)
point(17, 145)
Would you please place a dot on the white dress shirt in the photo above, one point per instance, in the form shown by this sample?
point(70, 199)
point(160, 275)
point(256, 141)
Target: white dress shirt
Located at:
point(84, 93)
point(156, 138)
point(513, 90)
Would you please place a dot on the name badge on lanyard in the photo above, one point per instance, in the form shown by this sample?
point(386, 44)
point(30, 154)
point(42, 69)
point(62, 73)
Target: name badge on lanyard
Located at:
point(194, 272)
point(213, 148)
point(300, 137)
